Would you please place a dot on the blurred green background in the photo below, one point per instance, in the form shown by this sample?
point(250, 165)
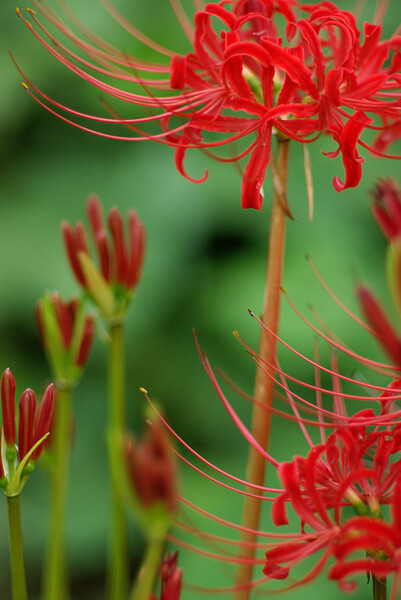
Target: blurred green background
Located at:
point(204, 268)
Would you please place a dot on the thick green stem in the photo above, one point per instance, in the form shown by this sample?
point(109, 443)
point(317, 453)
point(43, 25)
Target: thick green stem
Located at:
point(118, 565)
point(264, 385)
point(149, 569)
point(18, 582)
point(55, 571)
point(379, 588)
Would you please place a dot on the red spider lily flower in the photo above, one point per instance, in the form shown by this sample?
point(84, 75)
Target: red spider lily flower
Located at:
point(386, 208)
point(356, 467)
point(112, 285)
point(151, 469)
point(243, 78)
point(171, 579)
point(34, 423)
point(66, 333)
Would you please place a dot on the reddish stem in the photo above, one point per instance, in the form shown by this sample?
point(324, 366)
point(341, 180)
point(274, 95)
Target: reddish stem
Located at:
point(264, 386)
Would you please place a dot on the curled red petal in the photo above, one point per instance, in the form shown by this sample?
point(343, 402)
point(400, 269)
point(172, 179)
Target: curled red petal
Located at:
point(351, 160)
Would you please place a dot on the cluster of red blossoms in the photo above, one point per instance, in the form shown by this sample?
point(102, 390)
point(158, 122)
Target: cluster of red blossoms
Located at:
point(17, 456)
point(242, 78)
point(344, 491)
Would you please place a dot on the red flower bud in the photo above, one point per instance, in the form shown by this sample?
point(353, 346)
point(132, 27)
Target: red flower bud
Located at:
point(43, 419)
point(380, 324)
point(387, 208)
point(151, 468)
point(86, 342)
point(26, 416)
point(8, 406)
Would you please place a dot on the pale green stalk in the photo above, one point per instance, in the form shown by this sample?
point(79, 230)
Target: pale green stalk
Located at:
point(118, 565)
point(18, 582)
point(149, 569)
point(55, 586)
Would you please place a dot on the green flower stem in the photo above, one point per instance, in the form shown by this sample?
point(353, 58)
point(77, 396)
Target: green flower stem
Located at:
point(16, 549)
point(379, 588)
point(264, 385)
point(118, 566)
point(55, 573)
point(149, 569)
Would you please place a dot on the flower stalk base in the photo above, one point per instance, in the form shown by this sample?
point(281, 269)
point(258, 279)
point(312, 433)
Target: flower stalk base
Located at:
point(264, 385)
point(118, 566)
point(146, 578)
point(18, 581)
point(379, 588)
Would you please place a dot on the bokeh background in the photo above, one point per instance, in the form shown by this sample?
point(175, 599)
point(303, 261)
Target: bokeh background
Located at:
point(204, 268)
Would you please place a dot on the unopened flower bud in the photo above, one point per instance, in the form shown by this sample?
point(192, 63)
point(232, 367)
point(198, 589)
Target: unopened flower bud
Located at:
point(66, 333)
point(386, 208)
point(151, 469)
point(120, 259)
point(33, 429)
point(380, 324)
point(8, 406)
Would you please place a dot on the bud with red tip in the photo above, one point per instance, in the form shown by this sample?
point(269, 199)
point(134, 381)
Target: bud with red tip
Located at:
point(171, 579)
point(67, 333)
point(380, 324)
point(120, 258)
point(386, 208)
point(34, 423)
point(8, 406)
point(151, 472)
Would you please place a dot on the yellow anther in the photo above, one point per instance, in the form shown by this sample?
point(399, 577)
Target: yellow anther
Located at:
point(141, 389)
point(236, 333)
point(30, 10)
point(24, 85)
point(17, 10)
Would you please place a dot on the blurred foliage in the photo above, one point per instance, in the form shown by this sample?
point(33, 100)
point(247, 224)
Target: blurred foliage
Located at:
point(204, 268)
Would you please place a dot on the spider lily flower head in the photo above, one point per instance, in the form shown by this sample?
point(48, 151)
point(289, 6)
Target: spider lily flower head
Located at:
point(243, 79)
point(66, 332)
point(171, 579)
point(152, 477)
point(111, 285)
point(355, 468)
point(34, 423)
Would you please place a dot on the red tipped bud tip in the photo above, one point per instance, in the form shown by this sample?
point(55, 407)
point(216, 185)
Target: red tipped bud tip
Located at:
point(65, 318)
point(27, 408)
point(8, 406)
point(95, 214)
point(378, 321)
point(44, 419)
point(120, 265)
point(86, 342)
point(137, 249)
point(171, 578)
point(151, 469)
point(72, 247)
point(386, 208)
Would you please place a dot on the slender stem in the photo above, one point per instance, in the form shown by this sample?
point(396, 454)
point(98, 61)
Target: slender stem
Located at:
point(55, 571)
point(264, 385)
point(16, 549)
point(118, 557)
point(149, 569)
point(379, 588)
